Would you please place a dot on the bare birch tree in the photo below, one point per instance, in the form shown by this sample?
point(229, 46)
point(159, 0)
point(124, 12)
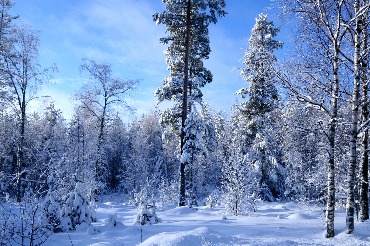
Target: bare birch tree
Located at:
point(98, 97)
point(23, 76)
point(322, 22)
point(350, 207)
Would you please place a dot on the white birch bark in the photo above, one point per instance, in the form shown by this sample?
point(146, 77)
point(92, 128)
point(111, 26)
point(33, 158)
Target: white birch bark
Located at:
point(350, 207)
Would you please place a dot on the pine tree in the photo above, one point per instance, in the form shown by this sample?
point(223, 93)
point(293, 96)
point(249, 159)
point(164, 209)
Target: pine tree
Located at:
point(46, 139)
point(188, 45)
point(258, 110)
point(211, 160)
point(192, 153)
point(258, 69)
point(75, 210)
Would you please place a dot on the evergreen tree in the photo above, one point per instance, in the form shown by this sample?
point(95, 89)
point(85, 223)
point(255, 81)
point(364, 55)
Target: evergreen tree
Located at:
point(8, 150)
point(192, 154)
point(259, 70)
point(80, 160)
point(260, 144)
point(212, 159)
point(47, 145)
point(75, 210)
point(188, 45)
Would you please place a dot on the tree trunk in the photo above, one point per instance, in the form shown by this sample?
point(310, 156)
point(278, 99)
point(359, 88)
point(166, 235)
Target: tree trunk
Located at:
point(364, 165)
point(98, 149)
point(364, 176)
point(20, 150)
point(184, 114)
point(330, 206)
point(350, 207)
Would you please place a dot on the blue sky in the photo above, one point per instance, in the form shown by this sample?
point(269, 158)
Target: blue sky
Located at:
point(123, 33)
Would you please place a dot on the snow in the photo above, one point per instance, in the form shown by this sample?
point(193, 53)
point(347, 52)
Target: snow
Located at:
point(198, 236)
point(273, 224)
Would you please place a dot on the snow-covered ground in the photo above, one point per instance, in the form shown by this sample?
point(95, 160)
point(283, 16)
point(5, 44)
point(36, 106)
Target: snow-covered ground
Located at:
point(273, 224)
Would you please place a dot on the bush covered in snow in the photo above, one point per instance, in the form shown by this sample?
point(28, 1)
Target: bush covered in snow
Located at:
point(93, 230)
point(112, 220)
point(76, 210)
point(146, 215)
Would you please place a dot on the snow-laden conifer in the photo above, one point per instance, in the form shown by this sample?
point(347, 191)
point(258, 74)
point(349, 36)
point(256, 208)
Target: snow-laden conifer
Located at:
point(192, 154)
point(259, 125)
point(75, 210)
point(188, 46)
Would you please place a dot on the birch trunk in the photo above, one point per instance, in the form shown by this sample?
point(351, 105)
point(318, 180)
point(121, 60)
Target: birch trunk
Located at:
point(350, 207)
point(330, 205)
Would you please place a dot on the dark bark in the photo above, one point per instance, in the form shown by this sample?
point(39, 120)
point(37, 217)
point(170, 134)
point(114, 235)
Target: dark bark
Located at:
point(364, 176)
point(364, 164)
point(184, 114)
point(20, 151)
point(98, 161)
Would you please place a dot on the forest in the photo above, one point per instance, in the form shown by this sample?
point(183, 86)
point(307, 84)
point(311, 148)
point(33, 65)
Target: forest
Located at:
point(300, 132)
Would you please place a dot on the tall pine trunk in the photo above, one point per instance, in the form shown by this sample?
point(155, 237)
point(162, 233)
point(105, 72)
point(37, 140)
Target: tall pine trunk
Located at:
point(350, 207)
point(184, 114)
point(364, 164)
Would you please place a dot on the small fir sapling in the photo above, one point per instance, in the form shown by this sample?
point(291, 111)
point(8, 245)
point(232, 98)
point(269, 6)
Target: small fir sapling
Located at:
point(145, 201)
point(76, 210)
